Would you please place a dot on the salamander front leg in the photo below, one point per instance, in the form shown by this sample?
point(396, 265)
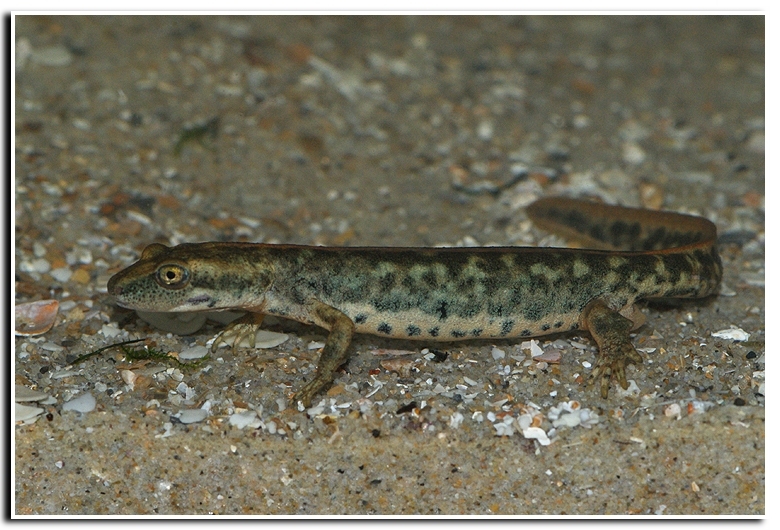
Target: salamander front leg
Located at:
point(243, 328)
point(610, 331)
point(334, 354)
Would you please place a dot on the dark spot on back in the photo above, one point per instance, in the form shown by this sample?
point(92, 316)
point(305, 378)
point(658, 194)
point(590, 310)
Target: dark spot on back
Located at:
point(385, 328)
point(506, 327)
point(434, 332)
point(413, 331)
point(429, 277)
point(458, 334)
point(389, 304)
point(361, 318)
point(387, 281)
point(442, 309)
point(534, 311)
point(495, 309)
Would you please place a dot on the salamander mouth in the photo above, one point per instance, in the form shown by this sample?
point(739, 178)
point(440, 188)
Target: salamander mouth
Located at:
point(122, 303)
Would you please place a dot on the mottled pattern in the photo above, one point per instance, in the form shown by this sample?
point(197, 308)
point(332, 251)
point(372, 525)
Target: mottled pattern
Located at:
point(446, 294)
point(441, 294)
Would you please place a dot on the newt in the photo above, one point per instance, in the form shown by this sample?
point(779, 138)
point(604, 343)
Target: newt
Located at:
point(445, 294)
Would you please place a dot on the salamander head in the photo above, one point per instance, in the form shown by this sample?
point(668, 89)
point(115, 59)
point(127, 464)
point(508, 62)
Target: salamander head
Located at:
point(193, 277)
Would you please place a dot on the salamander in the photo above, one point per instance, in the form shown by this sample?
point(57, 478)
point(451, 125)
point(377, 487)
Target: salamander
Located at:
point(445, 294)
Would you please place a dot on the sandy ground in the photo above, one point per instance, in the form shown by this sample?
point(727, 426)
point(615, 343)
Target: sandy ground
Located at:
point(413, 131)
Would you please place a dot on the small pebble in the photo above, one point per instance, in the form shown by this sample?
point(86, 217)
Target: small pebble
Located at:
point(756, 142)
point(550, 356)
point(248, 418)
point(81, 276)
point(485, 130)
point(52, 56)
point(633, 153)
point(79, 256)
point(61, 274)
point(673, 411)
point(192, 415)
point(39, 265)
point(83, 403)
point(67, 305)
point(110, 330)
point(129, 377)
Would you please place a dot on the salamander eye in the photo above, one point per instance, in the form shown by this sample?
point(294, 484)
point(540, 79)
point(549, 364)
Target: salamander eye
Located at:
point(172, 276)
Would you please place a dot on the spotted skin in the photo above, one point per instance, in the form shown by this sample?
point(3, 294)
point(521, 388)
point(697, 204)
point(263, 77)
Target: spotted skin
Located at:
point(445, 294)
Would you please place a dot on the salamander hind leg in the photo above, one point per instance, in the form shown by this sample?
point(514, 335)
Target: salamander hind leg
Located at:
point(243, 328)
point(334, 353)
point(610, 331)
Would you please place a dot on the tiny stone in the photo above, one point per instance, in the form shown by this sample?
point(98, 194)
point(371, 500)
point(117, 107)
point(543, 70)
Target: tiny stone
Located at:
point(51, 346)
point(485, 130)
point(62, 274)
point(498, 354)
point(633, 153)
point(80, 276)
point(192, 415)
point(67, 305)
point(110, 330)
point(52, 56)
point(40, 265)
point(244, 419)
point(83, 403)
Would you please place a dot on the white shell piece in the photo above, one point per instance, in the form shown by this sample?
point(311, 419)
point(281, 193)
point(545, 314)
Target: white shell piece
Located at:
point(26, 413)
point(537, 434)
point(194, 352)
point(23, 394)
point(83, 403)
point(269, 339)
point(734, 333)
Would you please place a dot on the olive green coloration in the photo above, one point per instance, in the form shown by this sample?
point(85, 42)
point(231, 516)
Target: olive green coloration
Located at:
point(445, 294)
